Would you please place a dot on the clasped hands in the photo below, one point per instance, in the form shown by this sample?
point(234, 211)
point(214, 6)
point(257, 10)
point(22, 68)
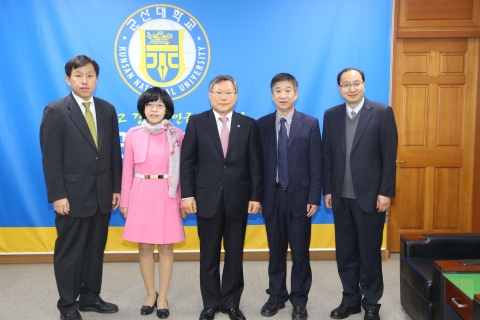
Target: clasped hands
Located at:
point(189, 206)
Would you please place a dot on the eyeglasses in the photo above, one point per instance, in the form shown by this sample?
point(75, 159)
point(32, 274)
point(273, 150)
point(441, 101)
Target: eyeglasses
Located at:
point(226, 94)
point(356, 85)
point(157, 105)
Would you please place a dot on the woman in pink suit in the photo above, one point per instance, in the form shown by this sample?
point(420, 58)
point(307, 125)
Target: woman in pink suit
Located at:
point(150, 198)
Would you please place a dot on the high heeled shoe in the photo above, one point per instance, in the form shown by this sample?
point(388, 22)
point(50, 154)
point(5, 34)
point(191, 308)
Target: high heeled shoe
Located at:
point(163, 313)
point(146, 310)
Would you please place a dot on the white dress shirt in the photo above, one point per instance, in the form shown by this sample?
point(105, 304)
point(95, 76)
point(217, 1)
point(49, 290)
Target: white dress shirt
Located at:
point(220, 123)
point(357, 109)
point(82, 107)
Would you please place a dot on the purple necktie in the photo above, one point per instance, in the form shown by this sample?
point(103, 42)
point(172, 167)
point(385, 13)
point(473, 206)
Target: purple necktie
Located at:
point(224, 135)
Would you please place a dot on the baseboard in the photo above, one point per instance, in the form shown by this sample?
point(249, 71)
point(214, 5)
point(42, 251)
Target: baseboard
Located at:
point(190, 256)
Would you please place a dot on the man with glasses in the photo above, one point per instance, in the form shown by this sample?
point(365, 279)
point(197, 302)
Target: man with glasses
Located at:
point(359, 153)
point(292, 154)
point(221, 182)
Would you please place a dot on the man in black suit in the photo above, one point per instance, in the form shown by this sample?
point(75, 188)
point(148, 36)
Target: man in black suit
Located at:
point(359, 154)
point(82, 165)
point(291, 194)
point(221, 181)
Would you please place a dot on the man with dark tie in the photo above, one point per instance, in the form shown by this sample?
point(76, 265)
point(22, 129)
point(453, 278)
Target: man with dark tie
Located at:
point(359, 153)
point(292, 153)
point(82, 165)
point(221, 182)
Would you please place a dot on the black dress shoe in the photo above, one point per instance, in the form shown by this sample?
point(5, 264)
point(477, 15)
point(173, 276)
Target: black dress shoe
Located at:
point(163, 313)
point(299, 313)
point(371, 315)
point(234, 314)
point(146, 310)
point(208, 314)
point(343, 311)
point(100, 307)
point(73, 315)
point(271, 307)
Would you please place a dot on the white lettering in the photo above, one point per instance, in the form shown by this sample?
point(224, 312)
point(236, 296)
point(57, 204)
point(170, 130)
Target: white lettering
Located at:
point(143, 14)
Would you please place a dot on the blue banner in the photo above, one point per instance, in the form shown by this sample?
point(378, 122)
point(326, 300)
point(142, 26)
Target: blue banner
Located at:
point(179, 46)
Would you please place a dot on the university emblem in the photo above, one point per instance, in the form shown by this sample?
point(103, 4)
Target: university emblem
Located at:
point(164, 46)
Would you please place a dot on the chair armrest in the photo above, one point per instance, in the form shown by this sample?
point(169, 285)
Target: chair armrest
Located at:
point(451, 246)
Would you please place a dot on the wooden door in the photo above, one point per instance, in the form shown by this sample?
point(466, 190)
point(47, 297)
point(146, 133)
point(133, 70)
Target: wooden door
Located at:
point(434, 98)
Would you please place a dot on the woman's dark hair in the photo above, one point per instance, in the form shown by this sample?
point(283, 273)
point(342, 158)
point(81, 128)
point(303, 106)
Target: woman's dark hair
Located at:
point(152, 95)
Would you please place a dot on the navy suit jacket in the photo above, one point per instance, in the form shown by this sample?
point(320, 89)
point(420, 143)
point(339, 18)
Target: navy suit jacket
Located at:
point(304, 162)
point(204, 172)
point(373, 156)
point(72, 165)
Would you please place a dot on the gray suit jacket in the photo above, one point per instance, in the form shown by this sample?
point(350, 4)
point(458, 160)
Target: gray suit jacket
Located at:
point(373, 157)
point(72, 165)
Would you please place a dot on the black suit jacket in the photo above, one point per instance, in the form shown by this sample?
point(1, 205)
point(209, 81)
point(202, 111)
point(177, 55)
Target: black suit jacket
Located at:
point(204, 172)
point(304, 162)
point(373, 157)
point(72, 165)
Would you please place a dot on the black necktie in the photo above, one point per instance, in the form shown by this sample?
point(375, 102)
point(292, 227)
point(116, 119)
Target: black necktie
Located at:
point(282, 162)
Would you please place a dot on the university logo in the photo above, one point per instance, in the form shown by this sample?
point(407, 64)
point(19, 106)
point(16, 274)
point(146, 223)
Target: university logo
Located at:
point(162, 46)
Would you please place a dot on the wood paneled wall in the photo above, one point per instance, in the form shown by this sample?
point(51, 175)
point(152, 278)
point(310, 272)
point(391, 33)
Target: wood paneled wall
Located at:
point(435, 97)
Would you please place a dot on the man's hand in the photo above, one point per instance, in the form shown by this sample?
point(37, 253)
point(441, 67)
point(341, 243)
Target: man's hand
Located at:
point(61, 206)
point(253, 207)
point(383, 203)
point(311, 208)
point(189, 205)
point(124, 211)
point(328, 200)
point(183, 213)
point(116, 201)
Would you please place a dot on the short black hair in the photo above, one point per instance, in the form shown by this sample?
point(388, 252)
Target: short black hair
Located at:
point(284, 77)
point(80, 61)
point(152, 95)
point(223, 77)
point(350, 69)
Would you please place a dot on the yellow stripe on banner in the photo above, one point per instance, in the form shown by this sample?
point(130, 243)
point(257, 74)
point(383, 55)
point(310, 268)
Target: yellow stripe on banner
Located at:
point(42, 240)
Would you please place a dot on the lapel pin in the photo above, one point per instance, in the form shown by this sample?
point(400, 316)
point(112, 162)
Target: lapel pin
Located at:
point(238, 126)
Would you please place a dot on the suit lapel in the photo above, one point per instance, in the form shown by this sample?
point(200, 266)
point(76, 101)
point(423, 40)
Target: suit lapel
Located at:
point(101, 122)
point(297, 124)
point(79, 119)
point(235, 128)
point(271, 127)
point(340, 123)
point(365, 116)
point(212, 129)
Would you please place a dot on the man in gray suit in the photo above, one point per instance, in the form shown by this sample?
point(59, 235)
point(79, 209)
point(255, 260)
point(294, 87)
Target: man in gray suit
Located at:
point(359, 153)
point(82, 165)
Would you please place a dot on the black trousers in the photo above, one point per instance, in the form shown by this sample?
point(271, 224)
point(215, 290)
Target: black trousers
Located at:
point(358, 237)
point(284, 228)
point(227, 293)
point(78, 259)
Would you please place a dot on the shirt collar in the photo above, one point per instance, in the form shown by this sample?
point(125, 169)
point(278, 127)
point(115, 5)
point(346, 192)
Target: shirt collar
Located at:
point(289, 117)
point(217, 115)
point(80, 100)
point(357, 108)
